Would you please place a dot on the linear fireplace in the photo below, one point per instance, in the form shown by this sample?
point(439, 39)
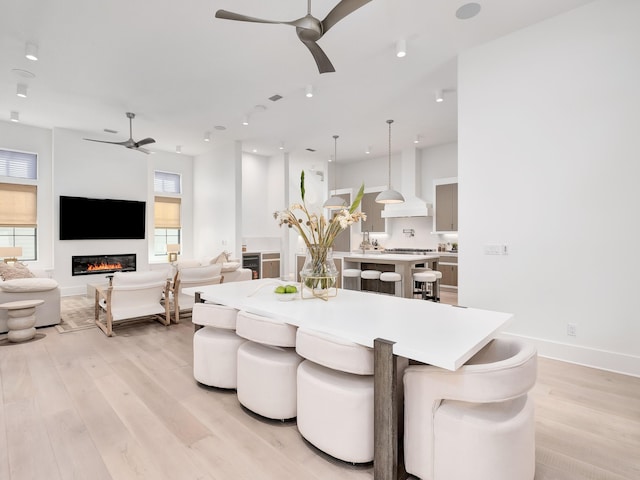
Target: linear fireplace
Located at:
point(95, 264)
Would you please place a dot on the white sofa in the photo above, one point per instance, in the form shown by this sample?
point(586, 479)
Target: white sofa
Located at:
point(37, 288)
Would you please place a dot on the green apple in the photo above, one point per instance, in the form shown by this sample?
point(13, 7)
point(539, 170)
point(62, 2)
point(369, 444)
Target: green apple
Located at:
point(281, 289)
point(290, 288)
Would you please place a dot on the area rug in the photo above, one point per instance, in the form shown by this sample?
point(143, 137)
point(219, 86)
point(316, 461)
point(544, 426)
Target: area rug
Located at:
point(76, 313)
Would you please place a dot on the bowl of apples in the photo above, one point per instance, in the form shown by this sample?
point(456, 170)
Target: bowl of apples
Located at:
point(284, 293)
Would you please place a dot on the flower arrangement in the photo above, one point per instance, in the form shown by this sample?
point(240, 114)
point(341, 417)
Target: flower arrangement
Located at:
point(319, 272)
point(315, 229)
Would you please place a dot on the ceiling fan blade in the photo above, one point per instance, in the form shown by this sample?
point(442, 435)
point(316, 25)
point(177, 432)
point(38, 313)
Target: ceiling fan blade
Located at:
point(341, 10)
point(226, 15)
point(105, 141)
point(140, 149)
point(323, 62)
point(145, 141)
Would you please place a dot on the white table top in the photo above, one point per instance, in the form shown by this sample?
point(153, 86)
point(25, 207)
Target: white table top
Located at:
point(433, 333)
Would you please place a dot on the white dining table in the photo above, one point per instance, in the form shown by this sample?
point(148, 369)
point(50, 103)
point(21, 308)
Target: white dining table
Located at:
point(398, 329)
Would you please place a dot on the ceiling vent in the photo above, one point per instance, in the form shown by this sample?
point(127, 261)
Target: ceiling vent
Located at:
point(275, 97)
point(310, 150)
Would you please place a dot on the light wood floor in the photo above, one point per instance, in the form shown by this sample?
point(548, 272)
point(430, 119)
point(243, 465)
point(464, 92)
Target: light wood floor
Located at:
point(83, 406)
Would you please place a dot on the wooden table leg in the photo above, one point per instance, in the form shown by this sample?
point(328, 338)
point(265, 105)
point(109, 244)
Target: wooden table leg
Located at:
point(387, 462)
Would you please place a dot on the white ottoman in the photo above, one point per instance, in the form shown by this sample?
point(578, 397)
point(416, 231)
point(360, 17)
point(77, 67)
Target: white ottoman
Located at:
point(215, 345)
point(267, 366)
point(267, 380)
point(335, 396)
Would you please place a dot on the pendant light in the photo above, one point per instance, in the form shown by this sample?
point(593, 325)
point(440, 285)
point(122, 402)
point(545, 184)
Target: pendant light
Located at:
point(335, 202)
point(390, 195)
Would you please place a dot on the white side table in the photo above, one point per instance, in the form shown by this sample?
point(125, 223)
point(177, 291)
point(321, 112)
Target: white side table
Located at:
point(22, 319)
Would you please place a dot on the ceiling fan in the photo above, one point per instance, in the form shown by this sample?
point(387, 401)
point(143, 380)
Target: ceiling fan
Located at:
point(130, 143)
point(308, 28)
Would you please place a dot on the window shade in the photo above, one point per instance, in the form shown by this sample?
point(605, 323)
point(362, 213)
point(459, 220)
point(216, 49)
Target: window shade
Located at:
point(166, 212)
point(18, 205)
point(18, 164)
point(165, 182)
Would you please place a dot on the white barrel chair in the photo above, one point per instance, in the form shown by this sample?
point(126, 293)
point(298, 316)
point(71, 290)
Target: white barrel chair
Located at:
point(267, 366)
point(475, 422)
point(215, 345)
point(335, 396)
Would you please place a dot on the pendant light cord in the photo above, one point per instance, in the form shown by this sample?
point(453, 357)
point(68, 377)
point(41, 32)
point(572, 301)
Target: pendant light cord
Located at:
point(389, 177)
point(335, 160)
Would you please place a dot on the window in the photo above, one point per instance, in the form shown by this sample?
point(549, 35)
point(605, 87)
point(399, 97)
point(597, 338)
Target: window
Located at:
point(18, 202)
point(167, 225)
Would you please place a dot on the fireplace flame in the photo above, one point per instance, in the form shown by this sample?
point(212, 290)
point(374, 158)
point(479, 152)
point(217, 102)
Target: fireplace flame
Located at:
point(104, 266)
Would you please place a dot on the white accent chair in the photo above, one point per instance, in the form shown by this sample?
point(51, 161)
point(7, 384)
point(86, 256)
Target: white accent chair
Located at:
point(267, 366)
point(475, 422)
point(215, 345)
point(133, 295)
point(335, 396)
point(192, 277)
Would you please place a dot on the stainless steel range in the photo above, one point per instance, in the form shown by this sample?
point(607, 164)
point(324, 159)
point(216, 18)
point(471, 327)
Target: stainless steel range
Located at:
point(410, 251)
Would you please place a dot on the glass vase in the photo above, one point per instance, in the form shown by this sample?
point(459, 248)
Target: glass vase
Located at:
point(319, 273)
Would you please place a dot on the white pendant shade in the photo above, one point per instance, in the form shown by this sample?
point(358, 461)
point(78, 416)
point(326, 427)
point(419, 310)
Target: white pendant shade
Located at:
point(335, 202)
point(390, 196)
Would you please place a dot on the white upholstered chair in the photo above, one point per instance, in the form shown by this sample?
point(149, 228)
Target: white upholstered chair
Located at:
point(475, 422)
point(267, 366)
point(335, 396)
point(199, 276)
point(133, 295)
point(215, 345)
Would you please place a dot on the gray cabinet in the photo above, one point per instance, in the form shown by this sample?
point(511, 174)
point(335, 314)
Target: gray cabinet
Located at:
point(448, 265)
point(342, 242)
point(374, 221)
point(446, 207)
point(270, 265)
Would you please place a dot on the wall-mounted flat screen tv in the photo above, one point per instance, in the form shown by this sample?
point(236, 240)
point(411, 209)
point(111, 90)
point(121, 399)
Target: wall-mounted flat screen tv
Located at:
point(101, 219)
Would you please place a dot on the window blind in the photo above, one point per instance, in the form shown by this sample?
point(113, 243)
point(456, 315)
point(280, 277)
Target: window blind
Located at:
point(18, 205)
point(18, 164)
point(166, 182)
point(166, 212)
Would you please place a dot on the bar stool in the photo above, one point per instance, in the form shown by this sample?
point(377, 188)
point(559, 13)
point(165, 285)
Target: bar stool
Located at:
point(267, 366)
point(352, 273)
point(427, 278)
point(371, 275)
point(395, 278)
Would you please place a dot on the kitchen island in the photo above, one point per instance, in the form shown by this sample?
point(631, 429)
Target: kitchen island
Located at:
point(402, 263)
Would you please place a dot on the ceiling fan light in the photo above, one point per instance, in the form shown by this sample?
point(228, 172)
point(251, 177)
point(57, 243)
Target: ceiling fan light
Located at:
point(401, 48)
point(21, 91)
point(31, 52)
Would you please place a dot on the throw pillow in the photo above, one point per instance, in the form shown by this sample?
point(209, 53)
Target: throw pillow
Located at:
point(21, 285)
point(223, 257)
point(230, 266)
point(9, 271)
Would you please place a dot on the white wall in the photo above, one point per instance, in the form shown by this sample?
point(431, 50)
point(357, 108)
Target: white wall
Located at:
point(217, 186)
point(35, 140)
point(87, 169)
point(548, 152)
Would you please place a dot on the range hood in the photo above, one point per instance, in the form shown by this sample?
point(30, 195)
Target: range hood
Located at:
point(410, 177)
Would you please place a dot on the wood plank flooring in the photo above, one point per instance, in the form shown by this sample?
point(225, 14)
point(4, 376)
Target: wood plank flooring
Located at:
point(83, 406)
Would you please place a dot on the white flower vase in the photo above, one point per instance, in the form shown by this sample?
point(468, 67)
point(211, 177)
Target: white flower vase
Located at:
point(319, 273)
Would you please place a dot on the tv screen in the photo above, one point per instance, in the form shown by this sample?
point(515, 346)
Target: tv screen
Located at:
point(101, 219)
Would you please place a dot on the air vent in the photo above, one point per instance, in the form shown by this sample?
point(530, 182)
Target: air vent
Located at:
point(310, 150)
point(275, 97)
point(108, 130)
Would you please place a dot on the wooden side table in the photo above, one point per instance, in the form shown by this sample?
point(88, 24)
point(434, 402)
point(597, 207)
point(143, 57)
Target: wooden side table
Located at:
point(22, 319)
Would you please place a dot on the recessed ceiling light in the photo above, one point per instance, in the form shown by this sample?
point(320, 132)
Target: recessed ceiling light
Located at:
point(21, 91)
point(220, 127)
point(178, 149)
point(368, 150)
point(14, 117)
point(401, 48)
point(308, 91)
point(31, 52)
point(417, 139)
point(439, 96)
point(468, 10)
point(245, 120)
point(255, 150)
point(207, 136)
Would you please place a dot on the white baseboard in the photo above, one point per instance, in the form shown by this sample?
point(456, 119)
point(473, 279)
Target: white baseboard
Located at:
point(588, 357)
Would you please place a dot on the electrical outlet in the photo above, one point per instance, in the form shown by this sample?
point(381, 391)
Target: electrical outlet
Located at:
point(572, 329)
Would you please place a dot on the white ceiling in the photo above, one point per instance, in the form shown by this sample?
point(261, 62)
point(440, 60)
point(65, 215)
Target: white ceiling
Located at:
point(183, 72)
